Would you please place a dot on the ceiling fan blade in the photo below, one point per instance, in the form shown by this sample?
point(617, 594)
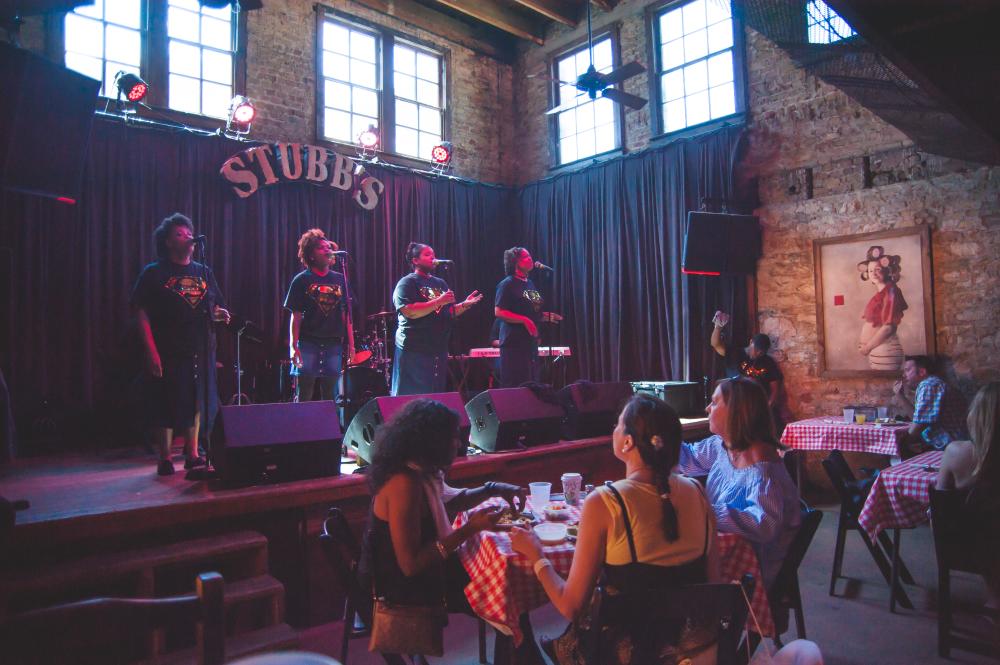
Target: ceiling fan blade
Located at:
point(565, 106)
point(628, 99)
point(549, 78)
point(623, 72)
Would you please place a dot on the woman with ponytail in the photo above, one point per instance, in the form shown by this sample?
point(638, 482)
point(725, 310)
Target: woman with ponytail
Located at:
point(652, 529)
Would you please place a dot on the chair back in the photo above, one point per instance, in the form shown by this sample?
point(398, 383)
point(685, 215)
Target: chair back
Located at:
point(957, 531)
point(343, 553)
point(85, 630)
point(791, 461)
point(797, 549)
point(647, 612)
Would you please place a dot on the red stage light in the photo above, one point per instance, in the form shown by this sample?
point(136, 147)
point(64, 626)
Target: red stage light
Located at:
point(700, 272)
point(441, 154)
point(131, 86)
point(244, 113)
point(137, 92)
point(368, 139)
point(67, 200)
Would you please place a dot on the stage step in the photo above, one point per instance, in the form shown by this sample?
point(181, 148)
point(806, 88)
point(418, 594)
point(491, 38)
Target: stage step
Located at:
point(260, 588)
point(273, 638)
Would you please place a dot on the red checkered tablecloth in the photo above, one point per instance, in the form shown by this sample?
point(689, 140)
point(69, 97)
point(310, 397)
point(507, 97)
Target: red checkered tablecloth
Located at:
point(901, 495)
point(834, 434)
point(503, 585)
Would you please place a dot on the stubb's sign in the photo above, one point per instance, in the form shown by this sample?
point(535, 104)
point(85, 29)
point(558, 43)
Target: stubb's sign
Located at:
point(295, 162)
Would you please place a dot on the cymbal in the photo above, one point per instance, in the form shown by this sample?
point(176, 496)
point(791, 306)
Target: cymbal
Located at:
point(380, 314)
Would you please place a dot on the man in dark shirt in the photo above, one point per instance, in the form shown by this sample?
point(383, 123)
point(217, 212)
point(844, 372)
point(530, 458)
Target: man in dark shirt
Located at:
point(319, 322)
point(518, 305)
point(753, 362)
point(426, 310)
point(176, 301)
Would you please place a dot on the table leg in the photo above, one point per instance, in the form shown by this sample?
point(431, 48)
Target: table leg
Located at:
point(894, 582)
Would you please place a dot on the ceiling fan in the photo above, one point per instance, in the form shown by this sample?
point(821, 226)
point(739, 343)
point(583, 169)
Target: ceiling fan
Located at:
point(593, 83)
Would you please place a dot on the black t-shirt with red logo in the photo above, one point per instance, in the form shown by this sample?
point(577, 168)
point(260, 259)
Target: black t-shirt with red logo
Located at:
point(321, 300)
point(427, 334)
point(521, 297)
point(178, 301)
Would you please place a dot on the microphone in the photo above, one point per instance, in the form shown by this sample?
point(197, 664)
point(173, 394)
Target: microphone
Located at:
point(198, 240)
point(340, 253)
point(542, 266)
point(446, 262)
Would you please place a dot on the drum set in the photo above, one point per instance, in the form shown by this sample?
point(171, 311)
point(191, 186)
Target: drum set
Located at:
point(369, 373)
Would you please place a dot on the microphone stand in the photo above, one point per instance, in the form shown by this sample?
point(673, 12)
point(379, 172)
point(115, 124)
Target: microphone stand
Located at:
point(205, 473)
point(342, 380)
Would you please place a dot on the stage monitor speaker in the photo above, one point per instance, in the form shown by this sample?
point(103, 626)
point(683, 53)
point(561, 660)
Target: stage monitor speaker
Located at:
point(592, 408)
point(686, 398)
point(512, 419)
point(720, 244)
point(259, 443)
point(45, 120)
point(360, 435)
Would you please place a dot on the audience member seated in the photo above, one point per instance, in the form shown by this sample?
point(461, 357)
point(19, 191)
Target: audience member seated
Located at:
point(409, 547)
point(901, 405)
point(749, 488)
point(663, 516)
point(938, 410)
point(975, 466)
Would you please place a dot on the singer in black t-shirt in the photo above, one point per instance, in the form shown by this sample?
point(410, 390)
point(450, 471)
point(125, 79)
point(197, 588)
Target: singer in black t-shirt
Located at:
point(426, 309)
point(518, 305)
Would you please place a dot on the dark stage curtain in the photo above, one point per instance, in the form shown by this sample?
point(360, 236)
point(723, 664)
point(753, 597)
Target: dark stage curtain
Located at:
point(74, 266)
point(614, 234)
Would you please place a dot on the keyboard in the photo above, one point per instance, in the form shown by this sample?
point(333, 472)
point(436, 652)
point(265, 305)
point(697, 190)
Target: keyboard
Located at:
point(543, 352)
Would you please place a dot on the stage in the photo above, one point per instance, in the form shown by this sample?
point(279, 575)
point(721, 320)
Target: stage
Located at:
point(87, 505)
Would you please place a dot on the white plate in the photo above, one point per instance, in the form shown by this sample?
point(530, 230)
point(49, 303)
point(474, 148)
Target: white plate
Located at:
point(556, 514)
point(550, 533)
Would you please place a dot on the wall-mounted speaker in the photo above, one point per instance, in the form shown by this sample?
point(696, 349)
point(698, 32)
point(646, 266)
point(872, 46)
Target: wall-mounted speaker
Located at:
point(721, 244)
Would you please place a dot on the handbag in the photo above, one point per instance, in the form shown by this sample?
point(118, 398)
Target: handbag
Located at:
point(408, 629)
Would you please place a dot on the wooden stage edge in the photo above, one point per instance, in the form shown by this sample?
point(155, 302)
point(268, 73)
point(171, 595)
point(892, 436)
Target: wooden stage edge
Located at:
point(79, 498)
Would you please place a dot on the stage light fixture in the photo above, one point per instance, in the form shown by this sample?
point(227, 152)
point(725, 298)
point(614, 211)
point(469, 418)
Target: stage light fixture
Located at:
point(241, 115)
point(131, 87)
point(441, 156)
point(368, 142)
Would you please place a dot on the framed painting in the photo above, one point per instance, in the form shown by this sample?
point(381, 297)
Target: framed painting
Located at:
point(874, 303)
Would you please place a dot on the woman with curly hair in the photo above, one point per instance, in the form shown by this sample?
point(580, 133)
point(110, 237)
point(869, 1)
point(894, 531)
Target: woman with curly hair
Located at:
point(883, 313)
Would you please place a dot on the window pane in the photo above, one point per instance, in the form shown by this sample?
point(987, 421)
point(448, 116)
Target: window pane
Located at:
point(604, 112)
point(430, 120)
point(718, 10)
point(84, 64)
point(185, 94)
point(123, 12)
point(217, 66)
point(337, 125)
point(602, 55)
point(671, 26)
point(673, 116)
point(84, 36)
point(695, 78)
point(186, 4)
point(404, 60)
point(582, 61)
point(673, 85)
point(567, 70)
point(697, 108)
point(337, 95)
point(406, 86)
point(585, 146)
point(695, 45)
point(605, 139)
point(427, 143)
point(720, 36)
point(565, 94)
point(336, 66)
point(723, 100)
point(567, 124)
point(407, 141)
point(185, 59)
point(216, 33)
point(224, 13)
point(215, 99)
point(360, 123)
point(122, 45)
point(365, 102)
point(362, 46)
point(363, 73)
point(406, 114)
point(336, 38)
point(720, 68)
point(182, 24)
point(694, 16)
point(95, 10)
point(567, 150)
point(673, 54)
point(427, 93)
point(427, 67)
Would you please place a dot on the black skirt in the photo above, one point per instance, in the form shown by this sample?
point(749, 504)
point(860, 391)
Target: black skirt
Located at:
point(187, 387)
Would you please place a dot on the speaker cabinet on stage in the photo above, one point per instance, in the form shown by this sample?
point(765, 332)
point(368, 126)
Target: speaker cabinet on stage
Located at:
point(511, 419)
point(45, 119)
point(593, 408)
point(686, 398)
point(360, 434)
point(719, 244)
point(258, 443)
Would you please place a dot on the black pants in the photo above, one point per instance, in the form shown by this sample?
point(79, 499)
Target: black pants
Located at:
point(518, 365)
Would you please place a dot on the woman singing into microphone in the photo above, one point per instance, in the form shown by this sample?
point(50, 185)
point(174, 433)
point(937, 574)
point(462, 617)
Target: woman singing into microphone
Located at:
point(518, 305)
point(176, 300)
point(426, 309)
point(319, 322)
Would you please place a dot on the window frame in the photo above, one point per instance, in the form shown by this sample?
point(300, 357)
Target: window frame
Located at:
point(153, 60)
point(386, 39)
point(658, 132)
point(840, 40)
point(611, 31)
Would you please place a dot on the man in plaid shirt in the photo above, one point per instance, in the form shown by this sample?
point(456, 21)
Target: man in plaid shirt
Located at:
point(939, 410)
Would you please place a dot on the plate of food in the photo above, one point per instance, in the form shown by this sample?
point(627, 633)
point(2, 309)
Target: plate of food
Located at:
point(551, 533)
point(557, 510)
point(510, 517)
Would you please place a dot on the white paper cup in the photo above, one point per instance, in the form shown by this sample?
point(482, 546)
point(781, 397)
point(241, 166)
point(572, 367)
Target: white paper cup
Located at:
point(571, 484)
point(849, 416)
point(540, 494)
